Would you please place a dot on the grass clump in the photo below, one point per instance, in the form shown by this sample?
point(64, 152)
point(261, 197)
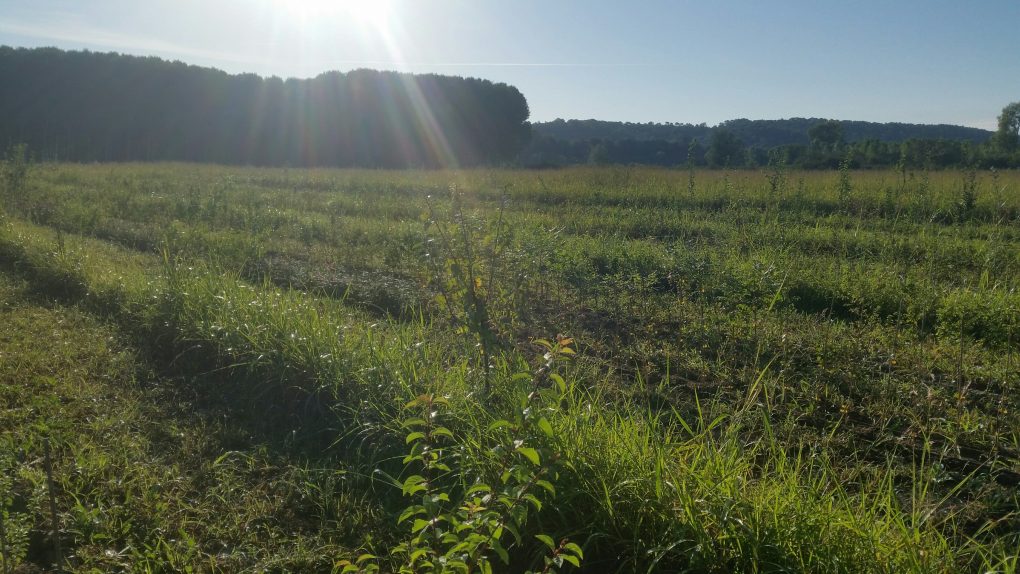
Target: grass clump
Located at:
point(149, 473)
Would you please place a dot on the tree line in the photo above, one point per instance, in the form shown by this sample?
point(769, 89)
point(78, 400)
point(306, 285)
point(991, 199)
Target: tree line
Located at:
point(805, 143)
point(89, 106)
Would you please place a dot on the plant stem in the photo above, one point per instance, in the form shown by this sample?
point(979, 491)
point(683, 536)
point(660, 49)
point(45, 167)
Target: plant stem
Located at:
point(55, 521)
point(3, 545)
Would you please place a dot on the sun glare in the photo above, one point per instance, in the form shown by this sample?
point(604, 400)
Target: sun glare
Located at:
point(374, 13)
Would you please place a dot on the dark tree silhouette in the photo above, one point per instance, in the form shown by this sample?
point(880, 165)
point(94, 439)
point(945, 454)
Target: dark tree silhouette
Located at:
point(86, 106)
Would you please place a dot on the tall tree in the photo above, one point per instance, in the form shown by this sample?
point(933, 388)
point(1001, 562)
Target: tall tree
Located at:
point(1008, 135)
point(724, 149)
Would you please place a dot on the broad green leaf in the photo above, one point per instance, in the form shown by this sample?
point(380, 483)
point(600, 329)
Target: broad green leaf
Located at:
point(500, 551)
point(419, 525)
point(513, 531)
point(547, 540)
point(545, 427)
point(413, 484)
point(534, 501)
point(531, 454)
point(410, 511)
point(560, 383)
point(499, 424)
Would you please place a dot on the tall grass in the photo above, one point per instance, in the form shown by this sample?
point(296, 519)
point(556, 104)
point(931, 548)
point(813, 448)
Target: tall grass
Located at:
point(714, 487)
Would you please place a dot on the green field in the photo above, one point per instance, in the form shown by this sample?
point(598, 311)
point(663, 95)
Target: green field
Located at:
point(247, 369)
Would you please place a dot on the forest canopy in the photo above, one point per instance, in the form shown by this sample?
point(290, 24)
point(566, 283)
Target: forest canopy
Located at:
point(89, 106)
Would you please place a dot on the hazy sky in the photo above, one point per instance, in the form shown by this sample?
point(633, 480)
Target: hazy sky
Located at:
point(695, 61)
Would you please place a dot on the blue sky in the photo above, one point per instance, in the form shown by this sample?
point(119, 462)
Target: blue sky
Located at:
point(665, 61)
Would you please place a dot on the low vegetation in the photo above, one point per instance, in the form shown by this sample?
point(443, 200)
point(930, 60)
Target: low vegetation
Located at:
point(243, 369)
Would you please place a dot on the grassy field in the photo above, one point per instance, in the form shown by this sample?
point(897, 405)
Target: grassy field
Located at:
point(244, 369)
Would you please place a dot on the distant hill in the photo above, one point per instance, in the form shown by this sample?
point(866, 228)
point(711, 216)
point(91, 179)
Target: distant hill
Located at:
point(753, 133)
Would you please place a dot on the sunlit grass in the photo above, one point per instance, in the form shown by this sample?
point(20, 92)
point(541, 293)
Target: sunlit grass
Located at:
point(764, 384)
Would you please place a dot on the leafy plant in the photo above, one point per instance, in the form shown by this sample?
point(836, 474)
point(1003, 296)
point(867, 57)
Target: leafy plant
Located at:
point(777, 175)
point(464, 261)
point(845, 188)
point(968, 196)
point(464, 513)
point(691, 148)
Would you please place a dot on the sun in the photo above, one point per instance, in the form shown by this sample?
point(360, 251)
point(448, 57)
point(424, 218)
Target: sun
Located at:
point(374, 13)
